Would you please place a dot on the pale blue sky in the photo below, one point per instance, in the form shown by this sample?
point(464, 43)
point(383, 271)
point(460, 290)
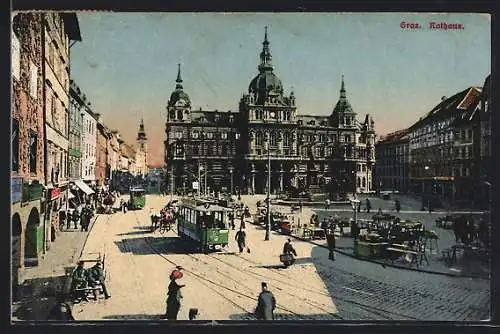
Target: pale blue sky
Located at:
point(127, 62)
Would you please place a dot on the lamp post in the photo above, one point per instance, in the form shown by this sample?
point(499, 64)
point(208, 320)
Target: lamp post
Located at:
point(354, 204)
point(268, 227)
point(231, 172)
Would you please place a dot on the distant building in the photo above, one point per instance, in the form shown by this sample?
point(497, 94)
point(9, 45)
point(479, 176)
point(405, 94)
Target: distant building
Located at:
point(219, 149)
point(76, 112)
point(101, 168)
point(88, 144)
point(142, 151)
point(443, 149)
point(393, 159)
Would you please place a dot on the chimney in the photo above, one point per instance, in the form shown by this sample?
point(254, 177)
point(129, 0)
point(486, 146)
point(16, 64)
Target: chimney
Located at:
point(443, 98)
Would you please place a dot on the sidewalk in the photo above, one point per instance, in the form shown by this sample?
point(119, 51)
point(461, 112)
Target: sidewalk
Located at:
point(42, 283)
point(345, 245)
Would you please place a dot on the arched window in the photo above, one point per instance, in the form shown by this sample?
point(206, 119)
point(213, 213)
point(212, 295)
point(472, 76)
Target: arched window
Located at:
point(179, 114)
point(272, 137)
point(258, 138)
point(286, 139)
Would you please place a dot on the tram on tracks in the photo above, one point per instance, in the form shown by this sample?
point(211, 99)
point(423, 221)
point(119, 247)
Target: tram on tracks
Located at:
point(204, 222)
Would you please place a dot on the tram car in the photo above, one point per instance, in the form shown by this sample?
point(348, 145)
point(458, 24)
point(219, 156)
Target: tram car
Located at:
point(206, 223)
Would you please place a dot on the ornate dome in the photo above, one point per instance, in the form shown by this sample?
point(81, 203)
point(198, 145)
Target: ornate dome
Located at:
point(266, 82)
point(178, 94)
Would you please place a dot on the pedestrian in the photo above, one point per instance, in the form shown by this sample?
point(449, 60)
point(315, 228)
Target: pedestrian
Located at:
point(300, 206)
point(78, 282)
point(62, 309)
point(327, 204)
point(330, 239)
point(241, 239)
point(359, 206)
point(242, 223)
point(397, 205)
point(96, 277)
point(266, 304)
point(174, 295)
point(368, 205)
point(231, 220)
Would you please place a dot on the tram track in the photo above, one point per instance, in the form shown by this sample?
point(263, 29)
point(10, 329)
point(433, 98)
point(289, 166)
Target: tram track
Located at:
point(363, 309)
point(204, 278)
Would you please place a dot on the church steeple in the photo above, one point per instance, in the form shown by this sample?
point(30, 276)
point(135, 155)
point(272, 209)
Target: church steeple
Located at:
point(179, 78)
point(141, 135)
point(265, 55)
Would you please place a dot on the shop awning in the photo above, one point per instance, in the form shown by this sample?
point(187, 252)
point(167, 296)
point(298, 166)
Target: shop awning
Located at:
point(70, 195)
point(84, 187)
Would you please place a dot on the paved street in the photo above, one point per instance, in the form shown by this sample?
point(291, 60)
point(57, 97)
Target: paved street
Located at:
point(225, 286)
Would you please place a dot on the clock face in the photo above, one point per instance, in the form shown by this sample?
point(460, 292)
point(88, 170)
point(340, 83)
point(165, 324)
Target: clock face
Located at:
point(272, 114)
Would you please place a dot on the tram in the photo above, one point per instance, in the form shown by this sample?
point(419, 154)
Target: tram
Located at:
point(203, 222)
point(137, 198)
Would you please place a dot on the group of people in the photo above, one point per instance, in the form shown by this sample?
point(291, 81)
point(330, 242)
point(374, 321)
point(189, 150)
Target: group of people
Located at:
point(165, 217)
point(83, 215)
point(83, 279)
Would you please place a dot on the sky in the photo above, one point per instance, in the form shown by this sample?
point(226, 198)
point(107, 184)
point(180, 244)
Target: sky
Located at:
point(126, 63)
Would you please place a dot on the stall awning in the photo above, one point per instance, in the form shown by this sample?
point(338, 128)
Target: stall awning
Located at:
point(85, 188)
point(70, 195)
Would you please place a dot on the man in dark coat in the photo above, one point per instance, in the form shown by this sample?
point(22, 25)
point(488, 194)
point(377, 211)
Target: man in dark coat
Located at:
point(79, 281)
point(242, 224)
point(174, 299)
point(266, 304)
point(241, 239)
point(330, 239)
point(96, 277)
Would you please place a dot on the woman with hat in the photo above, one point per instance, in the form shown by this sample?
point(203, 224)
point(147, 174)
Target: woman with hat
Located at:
point(174, 294)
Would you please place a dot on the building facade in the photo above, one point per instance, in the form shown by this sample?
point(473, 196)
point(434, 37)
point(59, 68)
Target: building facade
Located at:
point(27, 143)
point(76, 110)
point(486, 161)
point(59, 30)
point(332, 153)
point(442, 149)
point(102, 137)
point(89, 143)
point(393, 161)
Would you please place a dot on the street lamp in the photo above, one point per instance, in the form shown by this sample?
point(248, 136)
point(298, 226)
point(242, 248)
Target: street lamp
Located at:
point(354, 204)
point(268, 229)
point(231, 172)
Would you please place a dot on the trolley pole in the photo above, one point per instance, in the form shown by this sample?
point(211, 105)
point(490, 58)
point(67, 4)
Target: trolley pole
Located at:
point(268, 229)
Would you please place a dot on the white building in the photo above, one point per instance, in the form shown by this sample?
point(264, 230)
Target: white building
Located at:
point(88, 145)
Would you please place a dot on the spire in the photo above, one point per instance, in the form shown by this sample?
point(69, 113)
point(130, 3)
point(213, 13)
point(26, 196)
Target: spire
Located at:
point(141, 135)
point(179, 79)
point(265, 55)
point(342, 89)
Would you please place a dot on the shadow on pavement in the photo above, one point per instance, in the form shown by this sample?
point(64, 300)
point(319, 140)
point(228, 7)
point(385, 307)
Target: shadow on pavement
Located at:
point(154, 245)
point(143, 228)
point(136, 232)
point(38, 297)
